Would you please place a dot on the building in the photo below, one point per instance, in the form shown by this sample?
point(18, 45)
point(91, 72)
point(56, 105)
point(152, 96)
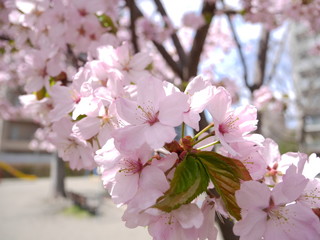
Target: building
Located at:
point(306, 76)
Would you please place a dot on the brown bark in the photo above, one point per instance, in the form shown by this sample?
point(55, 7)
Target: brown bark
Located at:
point(208, 10)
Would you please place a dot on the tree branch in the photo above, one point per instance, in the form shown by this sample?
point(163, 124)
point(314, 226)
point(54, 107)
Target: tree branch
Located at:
point(181, 53)
point(133, 18)
point(168, 58)
point(164, 53)
point(261, 60)
point(208, 10)
point(277, 57)
point(72, 57)
point(239, 48)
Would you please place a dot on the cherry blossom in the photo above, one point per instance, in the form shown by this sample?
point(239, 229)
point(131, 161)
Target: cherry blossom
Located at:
point(192, 20)
point(151, 118)
point(230, 125)
point(271, 214)
point(108, 104)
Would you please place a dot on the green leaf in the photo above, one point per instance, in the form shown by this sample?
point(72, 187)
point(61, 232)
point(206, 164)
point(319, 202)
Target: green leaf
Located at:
point(42, 93)
point(225, 173)
point(149, 67)
point(190, 180)
point(81, 116)
point(107, 22)
point(2, 50)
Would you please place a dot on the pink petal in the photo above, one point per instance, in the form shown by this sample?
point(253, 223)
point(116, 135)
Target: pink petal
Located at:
point(157, 135)
point(140, 61)
point(125, 188)
point(129, 137)
point(290, 188)
point(311, 194)
point(152, 177)
point(165, 163)
point(252, 226)
point(128, 111)
point(197, 84)
point(172, 108)
point(189, 216)
point(219, 105)
point(150, 93)
point(252, 195)
point(192, 119)
point(87, 127)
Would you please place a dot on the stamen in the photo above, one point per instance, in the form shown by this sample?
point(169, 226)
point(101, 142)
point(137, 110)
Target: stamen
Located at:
point(148, 115)
point(131, 166)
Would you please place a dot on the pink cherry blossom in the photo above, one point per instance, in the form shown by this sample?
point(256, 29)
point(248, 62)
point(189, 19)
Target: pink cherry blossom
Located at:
point(77, 152)
point(230, 125)
point(151, 118)
point(200, 91)
point(132, 66)
point(273, 214)
point(251, 155)
point(179, 224)
point(262, 96)
point(193, 20)
point(207, 230)
point(64, 101)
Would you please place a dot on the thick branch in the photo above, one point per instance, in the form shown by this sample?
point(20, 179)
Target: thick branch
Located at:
point(208, 10)
point(261, 60)
point(181, 53)
point(133, 18)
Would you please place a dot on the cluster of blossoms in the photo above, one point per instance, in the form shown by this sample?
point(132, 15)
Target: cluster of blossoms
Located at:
point(264, 99)
point(114, 112)
point(41, 30)
point(274, 12)
point(38, 49)
point(123, 119)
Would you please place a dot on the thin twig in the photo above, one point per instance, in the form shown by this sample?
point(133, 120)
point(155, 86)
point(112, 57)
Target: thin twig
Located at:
point(277, 57)
point(181, 53)
point(239, 48)
point(164, 53)
point(168, 58)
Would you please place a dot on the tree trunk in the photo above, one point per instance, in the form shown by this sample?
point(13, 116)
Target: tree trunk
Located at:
point(57, 173)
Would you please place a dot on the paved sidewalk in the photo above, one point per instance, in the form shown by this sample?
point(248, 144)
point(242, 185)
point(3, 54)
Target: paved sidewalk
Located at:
point(27, 212)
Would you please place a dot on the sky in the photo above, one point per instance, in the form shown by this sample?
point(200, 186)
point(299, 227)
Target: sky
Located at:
point(228, 65)
point(248, 35)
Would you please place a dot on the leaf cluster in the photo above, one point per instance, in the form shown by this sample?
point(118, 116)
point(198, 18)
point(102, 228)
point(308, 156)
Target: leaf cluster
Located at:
point(192, 177)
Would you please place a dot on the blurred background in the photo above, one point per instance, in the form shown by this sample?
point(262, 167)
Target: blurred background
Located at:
point(41, 198)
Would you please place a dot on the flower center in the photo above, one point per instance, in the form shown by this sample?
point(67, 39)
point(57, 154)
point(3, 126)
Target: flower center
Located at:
point(131, 166)
point(229, 125)
point(149, 116)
